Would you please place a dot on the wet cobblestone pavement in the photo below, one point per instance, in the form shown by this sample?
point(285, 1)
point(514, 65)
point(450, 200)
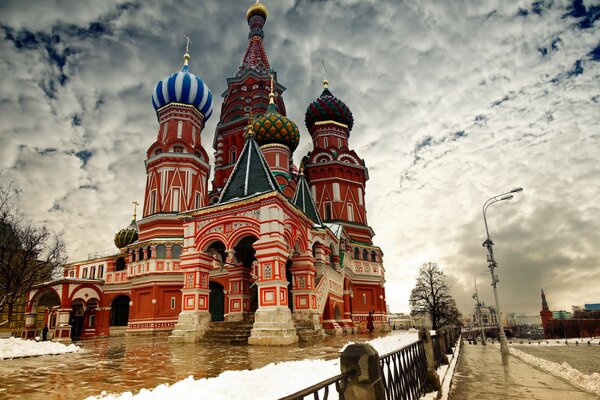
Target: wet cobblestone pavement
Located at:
point(483, 373)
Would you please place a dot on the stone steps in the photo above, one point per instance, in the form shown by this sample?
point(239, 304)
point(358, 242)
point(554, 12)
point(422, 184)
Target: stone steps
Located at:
point(229, 331)
point(307, 332)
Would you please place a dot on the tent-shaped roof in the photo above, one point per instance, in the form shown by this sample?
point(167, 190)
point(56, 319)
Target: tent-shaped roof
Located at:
point(251, 175)
point(304, 201)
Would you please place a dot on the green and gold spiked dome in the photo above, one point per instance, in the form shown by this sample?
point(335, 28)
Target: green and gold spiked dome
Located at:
point(273, 127)
point(127, 235)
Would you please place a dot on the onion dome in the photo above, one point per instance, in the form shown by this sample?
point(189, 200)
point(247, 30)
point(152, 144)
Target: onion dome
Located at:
point(328, 108)
point(127, 235)
point(273, 127)
point(257, 9)
point(185, 88)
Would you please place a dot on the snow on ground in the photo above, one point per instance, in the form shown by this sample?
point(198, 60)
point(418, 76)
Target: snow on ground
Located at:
point(16, 348)
point(262, 383)
point(590, 383)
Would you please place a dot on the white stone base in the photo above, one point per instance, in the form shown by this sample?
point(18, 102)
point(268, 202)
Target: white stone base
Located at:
point(190, 327)
point(273, 327)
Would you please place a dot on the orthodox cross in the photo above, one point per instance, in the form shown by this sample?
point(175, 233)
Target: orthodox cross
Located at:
point(187, 43)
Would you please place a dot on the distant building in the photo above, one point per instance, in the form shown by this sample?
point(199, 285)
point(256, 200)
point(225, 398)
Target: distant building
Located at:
point(489, 317)
point(563, 324)
point(400, 321)
point(522, 319)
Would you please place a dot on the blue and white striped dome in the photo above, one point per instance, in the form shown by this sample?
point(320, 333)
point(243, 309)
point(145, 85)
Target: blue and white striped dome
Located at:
point(186, 88)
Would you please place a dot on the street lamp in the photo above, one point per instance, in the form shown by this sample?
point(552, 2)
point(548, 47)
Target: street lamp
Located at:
point(478, 308)
point(492, 262)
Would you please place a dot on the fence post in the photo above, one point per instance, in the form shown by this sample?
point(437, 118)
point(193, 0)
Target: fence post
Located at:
point(433, 378)
point(365, 381)
point(441, 333)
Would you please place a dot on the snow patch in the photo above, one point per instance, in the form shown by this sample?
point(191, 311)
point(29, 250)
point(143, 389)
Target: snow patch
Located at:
point(16, 348)
point(589, 383)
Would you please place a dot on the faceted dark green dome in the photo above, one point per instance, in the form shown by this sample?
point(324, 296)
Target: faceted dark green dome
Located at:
point(126, 236)
point(273, 127)
point(328, 108)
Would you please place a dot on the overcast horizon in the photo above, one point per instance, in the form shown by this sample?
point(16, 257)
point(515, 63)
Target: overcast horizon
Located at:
point(453, 102)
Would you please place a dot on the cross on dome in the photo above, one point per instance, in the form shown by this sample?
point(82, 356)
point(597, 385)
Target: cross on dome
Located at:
point(186, 56)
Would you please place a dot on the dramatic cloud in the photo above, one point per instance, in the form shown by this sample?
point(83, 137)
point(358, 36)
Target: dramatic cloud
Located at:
point(453, 101)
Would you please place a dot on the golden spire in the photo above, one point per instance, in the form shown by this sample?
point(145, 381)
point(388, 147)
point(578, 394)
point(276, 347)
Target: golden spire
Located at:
point(271, 95)
point(186, 56)
point(135, 204)
point(325, 81)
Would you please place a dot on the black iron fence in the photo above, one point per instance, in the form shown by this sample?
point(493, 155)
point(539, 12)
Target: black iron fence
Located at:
point(404, 372)
point(321, 391)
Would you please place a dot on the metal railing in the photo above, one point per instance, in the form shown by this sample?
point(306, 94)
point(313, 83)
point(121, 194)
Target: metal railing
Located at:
point(404, 372)
point(338, 383)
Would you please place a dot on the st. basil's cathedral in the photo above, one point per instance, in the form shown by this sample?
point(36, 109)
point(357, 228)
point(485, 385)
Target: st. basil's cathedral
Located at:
point(284, 250)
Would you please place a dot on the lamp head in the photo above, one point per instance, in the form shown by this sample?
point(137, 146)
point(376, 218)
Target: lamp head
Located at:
point(507, 197)
point(516, 190)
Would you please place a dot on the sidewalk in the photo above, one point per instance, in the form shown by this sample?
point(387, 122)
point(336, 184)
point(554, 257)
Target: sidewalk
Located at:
point(483, 373)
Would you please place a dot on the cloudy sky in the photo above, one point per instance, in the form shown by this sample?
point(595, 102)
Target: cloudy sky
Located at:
point(454, 102)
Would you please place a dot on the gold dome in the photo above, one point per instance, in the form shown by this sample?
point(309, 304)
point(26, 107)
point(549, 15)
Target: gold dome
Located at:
point(257, 8)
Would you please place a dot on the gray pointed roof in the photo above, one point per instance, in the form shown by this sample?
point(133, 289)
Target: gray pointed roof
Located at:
point(304, 201)
point(251, 175)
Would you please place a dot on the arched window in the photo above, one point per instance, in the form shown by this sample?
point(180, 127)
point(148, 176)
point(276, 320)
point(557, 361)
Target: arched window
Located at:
point(149, 252)
point(133, 256)
point(314, 250)
point(141, 254)
point(175, 251)
point(356, 253)
point(365, 255)
point(120, 265)
point(373, 256)
point(161, 251)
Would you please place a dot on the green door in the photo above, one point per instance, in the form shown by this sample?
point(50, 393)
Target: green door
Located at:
point(216, 302)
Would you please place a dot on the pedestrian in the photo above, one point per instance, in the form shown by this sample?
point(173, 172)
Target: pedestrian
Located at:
point(45, 333)
point(370, 326)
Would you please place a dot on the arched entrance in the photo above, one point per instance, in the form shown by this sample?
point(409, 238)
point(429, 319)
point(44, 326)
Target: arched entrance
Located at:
point(216, 301)
point(77, 318)
point(119, 311)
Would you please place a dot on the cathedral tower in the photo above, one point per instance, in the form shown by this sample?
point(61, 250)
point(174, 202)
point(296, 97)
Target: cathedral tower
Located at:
point(177, 166)
point(247, 94)
point(336, 174)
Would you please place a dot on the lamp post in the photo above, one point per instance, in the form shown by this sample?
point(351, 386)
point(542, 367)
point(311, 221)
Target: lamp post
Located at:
point(492, 263)
point(478, 308)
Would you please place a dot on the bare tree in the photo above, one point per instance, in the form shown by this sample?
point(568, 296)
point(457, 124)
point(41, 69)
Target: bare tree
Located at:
point(431, 298)
point(29, 254)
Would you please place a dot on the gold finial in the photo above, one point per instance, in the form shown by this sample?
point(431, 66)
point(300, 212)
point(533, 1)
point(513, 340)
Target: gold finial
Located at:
point(272, 94)
point(249, 129)
point(325, 81)
point(257, 8)
point(302, 169)
point(186, 56)
point(135, 204)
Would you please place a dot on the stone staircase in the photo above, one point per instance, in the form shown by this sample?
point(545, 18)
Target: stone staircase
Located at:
point(229, 331)
point(306, 331)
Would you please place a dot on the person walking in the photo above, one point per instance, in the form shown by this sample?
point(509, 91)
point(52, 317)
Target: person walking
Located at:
point(370, 319)
point(45, 333)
